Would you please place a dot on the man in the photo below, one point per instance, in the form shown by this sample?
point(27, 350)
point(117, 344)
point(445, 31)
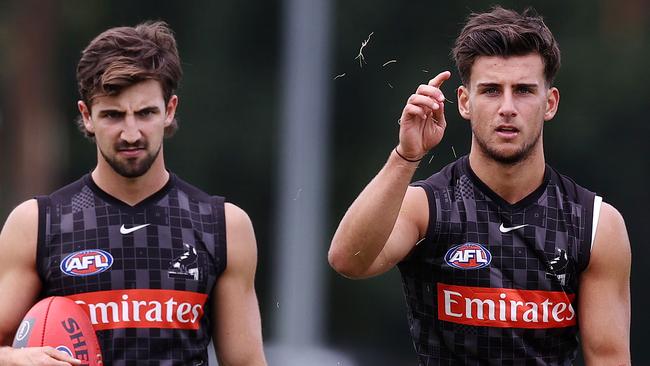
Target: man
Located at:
point(160, 266)
point(500, 255)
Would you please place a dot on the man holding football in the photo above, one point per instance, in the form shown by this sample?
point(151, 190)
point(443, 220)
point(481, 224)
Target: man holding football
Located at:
point(140, 250)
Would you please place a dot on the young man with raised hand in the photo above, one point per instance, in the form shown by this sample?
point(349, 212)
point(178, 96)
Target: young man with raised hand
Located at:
point(504, 261)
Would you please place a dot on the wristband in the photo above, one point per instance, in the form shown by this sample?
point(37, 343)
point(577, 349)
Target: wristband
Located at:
point(407, 159)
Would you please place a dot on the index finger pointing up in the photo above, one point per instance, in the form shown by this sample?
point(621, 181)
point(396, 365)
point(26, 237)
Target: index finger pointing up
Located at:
point(440, 78)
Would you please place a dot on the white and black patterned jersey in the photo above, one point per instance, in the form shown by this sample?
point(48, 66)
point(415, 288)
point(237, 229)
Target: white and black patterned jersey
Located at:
point(143, 273)
point(495, 283)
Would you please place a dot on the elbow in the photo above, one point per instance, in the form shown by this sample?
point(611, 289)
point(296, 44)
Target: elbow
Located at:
point(336, 260)
point(610, 354)
point(344, 263)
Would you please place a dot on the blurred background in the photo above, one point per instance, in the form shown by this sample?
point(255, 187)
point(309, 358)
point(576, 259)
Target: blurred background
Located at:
point(278, 115)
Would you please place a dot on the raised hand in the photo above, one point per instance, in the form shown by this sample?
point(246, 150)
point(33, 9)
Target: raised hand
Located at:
point(422, 123)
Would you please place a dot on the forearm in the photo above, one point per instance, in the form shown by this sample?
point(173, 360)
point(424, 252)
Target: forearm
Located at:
point(252, 358)
point(242, 345)
point(368, 223)
point(607, 341)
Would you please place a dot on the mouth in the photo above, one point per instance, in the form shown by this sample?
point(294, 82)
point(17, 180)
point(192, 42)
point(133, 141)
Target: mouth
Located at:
point(130, 152)
point(507, 131)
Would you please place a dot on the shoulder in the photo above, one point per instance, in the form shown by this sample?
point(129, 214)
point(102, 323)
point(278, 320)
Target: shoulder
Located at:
point(242, 247)
point(66, 192)
point(421, 197)
point(610, 217)
point(190, 190)
point(611, 226)
point(444, 177)
point(236, 218)
point(568, 187)
point(24, 215)
point(20, 231)
point(611, 245)
point(424, 191)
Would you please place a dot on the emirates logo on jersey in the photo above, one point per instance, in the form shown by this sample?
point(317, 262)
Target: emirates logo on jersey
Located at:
point(143, 308)
point(505, 308)
point(468, 256)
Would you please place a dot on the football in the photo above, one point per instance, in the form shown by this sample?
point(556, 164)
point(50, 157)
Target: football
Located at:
point(60, 323)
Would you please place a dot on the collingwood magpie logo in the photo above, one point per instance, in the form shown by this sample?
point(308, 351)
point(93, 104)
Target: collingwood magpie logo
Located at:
point(186, 265)
point(559, 267)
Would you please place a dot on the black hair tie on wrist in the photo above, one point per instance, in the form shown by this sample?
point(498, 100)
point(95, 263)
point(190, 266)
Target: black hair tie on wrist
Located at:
point(407, 159)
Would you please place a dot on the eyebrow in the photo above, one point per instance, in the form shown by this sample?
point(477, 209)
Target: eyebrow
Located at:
point(148, 109)
point(119, 111)
point(103, 112)
point(518, 85)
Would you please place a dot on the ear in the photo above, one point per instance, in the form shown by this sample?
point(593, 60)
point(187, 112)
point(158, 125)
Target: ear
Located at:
point(552, 102)
point(171, 109)
point(85, 116)
point(464, 105)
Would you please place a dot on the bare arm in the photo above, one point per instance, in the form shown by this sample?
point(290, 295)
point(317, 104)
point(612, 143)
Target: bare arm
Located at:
point(238, 330)
point(385, 222)
point(604, 304)
point(20, 286)
point(382, 225)
point(18, 275)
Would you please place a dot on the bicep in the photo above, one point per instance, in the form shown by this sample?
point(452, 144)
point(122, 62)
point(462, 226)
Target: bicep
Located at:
point(604, 301)
point(18, 275)
point(410, 227)
point(237, 330)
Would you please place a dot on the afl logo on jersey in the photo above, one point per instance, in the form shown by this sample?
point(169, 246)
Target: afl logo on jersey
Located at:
point(468, 256)
point(86, 262)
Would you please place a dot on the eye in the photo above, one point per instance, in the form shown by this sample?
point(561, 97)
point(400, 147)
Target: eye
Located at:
point(146, 113)
point(524, 90)
point(112, 115)
point(491, 91)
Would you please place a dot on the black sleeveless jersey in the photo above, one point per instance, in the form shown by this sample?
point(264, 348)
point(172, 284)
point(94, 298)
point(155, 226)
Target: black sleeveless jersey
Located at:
point(143, 273)
point(494, 283)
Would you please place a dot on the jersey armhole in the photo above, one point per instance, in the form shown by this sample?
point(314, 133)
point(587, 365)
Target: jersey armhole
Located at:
point(431, 198)
point(221, 239)
point(598, 200)
point(43, 204)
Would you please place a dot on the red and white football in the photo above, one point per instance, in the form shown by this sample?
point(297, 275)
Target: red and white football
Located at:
point(60, 323)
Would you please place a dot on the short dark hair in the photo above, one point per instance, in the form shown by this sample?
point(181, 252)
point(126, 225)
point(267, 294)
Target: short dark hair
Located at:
point(123, 56)
point(504, 32)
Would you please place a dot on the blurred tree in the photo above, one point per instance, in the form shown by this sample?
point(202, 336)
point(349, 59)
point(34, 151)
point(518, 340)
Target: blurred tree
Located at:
point(33, 150)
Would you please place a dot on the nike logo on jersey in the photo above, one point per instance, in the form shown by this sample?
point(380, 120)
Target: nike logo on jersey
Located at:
point(124, 230)
point(504, 229)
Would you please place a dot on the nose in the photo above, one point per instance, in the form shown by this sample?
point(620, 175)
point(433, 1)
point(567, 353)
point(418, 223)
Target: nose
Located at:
point(507, 108)
point(130, 130)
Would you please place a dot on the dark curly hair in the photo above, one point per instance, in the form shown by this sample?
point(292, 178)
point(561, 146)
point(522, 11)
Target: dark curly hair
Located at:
point(123, 56)
point(504, 32)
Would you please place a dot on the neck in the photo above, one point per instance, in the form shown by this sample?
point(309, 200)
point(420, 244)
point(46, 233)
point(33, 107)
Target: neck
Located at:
point(130, 190)
point(512, 182)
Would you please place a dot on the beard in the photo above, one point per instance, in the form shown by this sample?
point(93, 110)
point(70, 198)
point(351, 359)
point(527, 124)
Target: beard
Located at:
point(131, 168)
point(508, 158)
